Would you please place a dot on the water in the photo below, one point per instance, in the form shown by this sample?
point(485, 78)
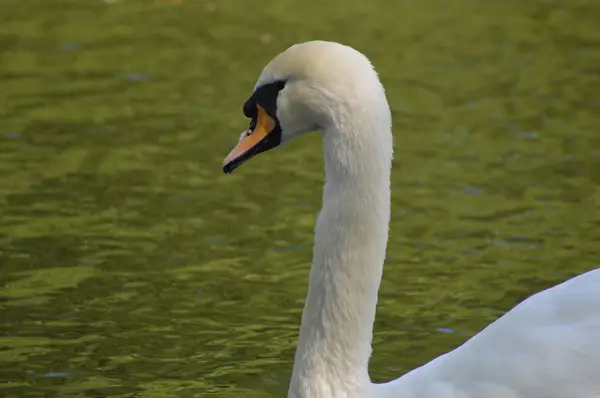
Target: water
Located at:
point(130, 266)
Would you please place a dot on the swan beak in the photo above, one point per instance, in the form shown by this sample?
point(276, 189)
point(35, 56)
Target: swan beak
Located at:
point(265, 135)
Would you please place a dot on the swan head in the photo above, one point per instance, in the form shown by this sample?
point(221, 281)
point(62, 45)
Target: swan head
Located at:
point(310, 86)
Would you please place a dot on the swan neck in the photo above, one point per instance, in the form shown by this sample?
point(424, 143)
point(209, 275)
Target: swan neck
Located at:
point(350, 242)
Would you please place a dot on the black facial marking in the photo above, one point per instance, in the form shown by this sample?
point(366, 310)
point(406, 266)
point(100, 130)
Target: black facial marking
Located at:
point(250, 109)
point(265, 96)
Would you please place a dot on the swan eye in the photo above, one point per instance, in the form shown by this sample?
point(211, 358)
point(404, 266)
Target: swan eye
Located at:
point(280, 84)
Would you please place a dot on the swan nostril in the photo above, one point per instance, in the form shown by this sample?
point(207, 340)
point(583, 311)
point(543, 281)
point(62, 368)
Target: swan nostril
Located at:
point(251, 127)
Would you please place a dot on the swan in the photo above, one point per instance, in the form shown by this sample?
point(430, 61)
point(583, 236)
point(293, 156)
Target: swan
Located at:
point(548, 346)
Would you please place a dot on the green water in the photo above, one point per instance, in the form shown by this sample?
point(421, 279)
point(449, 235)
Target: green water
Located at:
point(131, 266)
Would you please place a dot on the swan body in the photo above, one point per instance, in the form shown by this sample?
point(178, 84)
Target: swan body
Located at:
point(548, 346)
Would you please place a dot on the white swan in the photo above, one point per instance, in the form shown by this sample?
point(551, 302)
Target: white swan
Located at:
point(546, 347)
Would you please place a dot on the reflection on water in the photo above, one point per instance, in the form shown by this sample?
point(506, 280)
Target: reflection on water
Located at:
point(131, 266)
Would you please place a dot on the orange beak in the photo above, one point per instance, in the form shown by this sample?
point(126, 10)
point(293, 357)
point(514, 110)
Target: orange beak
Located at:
point(252, 142)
